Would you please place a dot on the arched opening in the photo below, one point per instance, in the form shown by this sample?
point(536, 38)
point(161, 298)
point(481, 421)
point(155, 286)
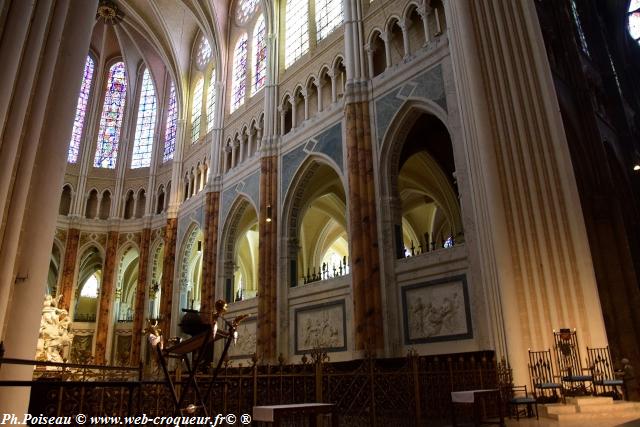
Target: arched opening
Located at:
point(396, 43)
point(325, 88)
point(54, 271)
point(155, 291)
point(105, 205)
point(298, 106)
point(436, 18)
point(129, 205)
point(378, 55)
point(141, 203)
point(160, 202)
point(319, 239)
point(415, 30)
point(340, 75)
point(312, 98)
point(125, 305)
point(287, 122)
point(88, 289)
point(429, 210)
point(92, 205)
point(241, 252)
point(191, 269)
point(65, 201)
point(168, 196)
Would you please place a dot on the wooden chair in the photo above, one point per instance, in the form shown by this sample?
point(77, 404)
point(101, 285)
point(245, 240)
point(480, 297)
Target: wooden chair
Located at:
point(573, 375)
point(544, 381)
point(604, 376)
point(520, 396)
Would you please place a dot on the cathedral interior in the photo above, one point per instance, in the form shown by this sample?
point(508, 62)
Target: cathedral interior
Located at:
point(360, 178)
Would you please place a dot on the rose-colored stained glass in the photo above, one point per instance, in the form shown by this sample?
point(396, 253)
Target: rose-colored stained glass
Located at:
point(81, 111)
point(111, 118)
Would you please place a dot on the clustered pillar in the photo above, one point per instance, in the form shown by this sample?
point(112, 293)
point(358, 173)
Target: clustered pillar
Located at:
point(168, 267)
point(69, 268)
point(267, 262)
point(365, 268)
point(138, 318)
point(106, 292)
point(210, 252)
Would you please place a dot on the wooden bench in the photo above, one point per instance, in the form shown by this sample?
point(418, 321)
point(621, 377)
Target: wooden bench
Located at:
point(276, 413)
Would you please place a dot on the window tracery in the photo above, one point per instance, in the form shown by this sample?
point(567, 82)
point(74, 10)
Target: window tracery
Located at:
point(145, 125)
point(203, 54)
point(196, 110)
point(328, 17)
point(211, 100)
point(244, 10)
point(111, 118)
point(172, 122)
point(259, 54)
point(296, 30)
point(81, 111)
point(239, 82)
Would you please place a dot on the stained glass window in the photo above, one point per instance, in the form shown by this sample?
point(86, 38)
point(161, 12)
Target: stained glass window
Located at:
point(259, 55)
point(196, 110)
point(111, 118)
point(203, 54)
point(172, 122)
point(211, 100)
point(328, 17)
point(145, 125)
point(245, 9)
point(81, 111)
point(296, 31)
point(239, 82)
point(581, 37)
point(634, 20)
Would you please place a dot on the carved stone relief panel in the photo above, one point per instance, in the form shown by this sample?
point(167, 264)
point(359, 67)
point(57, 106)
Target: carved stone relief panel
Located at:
point(321, 327)
point(437, 311)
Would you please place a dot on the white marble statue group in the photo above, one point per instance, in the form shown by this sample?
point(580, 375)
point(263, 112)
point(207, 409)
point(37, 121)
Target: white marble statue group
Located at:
point(55, 332)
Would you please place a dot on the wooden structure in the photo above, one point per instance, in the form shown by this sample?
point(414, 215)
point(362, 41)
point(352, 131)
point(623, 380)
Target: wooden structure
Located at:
point(606, 380)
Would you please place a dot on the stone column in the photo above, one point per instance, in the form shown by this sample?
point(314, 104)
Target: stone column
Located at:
point(69, 268)
point(423, 11)
point(267, 333)
point(141, 288)
point(538, 272)
point(105, 314)
point(210, 252)
point(38, 177)
point(319, 90)
point(405, 24)
point(363, 230)
point(385, 36)
point(168, 266)
point(305, 95)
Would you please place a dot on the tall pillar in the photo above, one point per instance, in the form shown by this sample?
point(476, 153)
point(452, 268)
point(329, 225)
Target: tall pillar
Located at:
point(267, 260)
point(363, 229)
point(168, 266)
point(537, 272)
point(210, 251)
point(36, 189)
point(69, 268)
point(105, 314)
point(141, 290)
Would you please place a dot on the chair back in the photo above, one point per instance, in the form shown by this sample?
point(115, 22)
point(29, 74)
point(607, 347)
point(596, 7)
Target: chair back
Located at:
point(567, 352)
point(541, 368)
point(599, 359)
